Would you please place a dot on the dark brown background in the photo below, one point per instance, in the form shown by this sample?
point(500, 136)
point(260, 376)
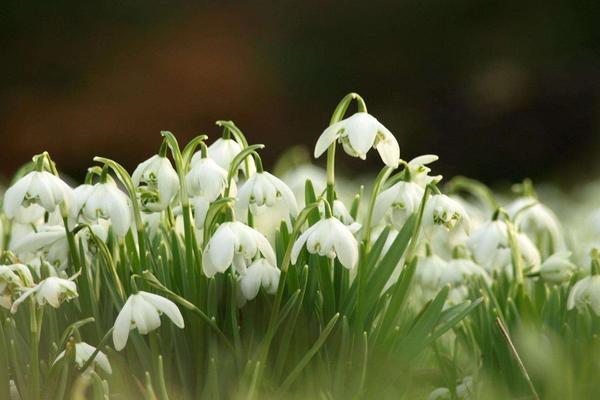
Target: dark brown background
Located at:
point(499, 89)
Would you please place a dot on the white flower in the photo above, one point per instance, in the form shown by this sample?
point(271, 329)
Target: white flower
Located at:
point(459, 270)
point(235, 243)
point(83, 352)
point(259, 273)
point(37, 188)
point(535, 219)
point(157, 182)
point(429, 272)
point(419, 173)
point(557, 268)
point(51, 290)
point(445, 212)
point(358, 134)
point(331, 238)
point(223, 151)
point(142, 311)
point(265, 190)
point(491, 249)
point(13, 278)
point(403, 198)
point(340, 212)
point(206, 179)
point(585, 292)
point(107, 201)
point(50, 242)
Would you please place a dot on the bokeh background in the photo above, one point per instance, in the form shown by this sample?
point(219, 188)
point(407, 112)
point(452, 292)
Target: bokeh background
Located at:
point(499, 89)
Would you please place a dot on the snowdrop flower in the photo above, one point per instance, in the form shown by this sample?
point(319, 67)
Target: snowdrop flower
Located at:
point(142, 311)
point(358, 134)
point(205, 182)
point(157, 183)
point(223, 151)
point(429, 271)
point(329, 237)
point(206, 179)
point(445, 212)
point(585, 292)
point(419, 173)
point(491, 249)
point(557, 268)
point(50, 242)
point(259, 273)
point(37, 188)
point(83, 352)
point(459, 270)
point(340, 212)
point(402, 198)
point(235, 243)
point(51, 290)
point(12, 279)
point(535, 219)
point(81, 195)
point(107, 201)
point(265, 190)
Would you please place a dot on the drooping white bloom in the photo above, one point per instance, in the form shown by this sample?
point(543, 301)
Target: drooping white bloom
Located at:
point(157, 183)
point(429, 272)
point(51, 290)
point(340, 212)
point(36, 188)
point(259, 273)
point(263, 190)
point(49, 242)
point(206, 179)
point(445, 212)
point(535, 219)
point(83, 352)
point(401, 200)
point(235, 243)
point(223, 151)
point(585, 292)
point(491, 248)
point(419, 173)
point(107, 201)
point(557, 268)
point(331, 238)
point(358, 134)
point(142, 310)
point(463, 391)
point(459, 270)
point(13, 278)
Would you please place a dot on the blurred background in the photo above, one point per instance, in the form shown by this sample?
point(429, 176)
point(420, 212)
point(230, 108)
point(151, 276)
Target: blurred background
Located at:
point(500, 90)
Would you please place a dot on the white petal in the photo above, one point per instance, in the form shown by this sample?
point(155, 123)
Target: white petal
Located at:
point(166, 307)
point(328, 136)
point(346, 247)
point(123, 325)
point(13, 198)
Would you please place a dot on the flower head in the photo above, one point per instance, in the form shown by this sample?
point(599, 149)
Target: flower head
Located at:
point(107, 201)
point(445, 212)
point(419, 172)
point(51, 290)
point(358, 134)
point(83, 352)
point(259, 273)
point(13, 278)
point(331, 238)
point(142, 310)
point(585, 292)
point(223, 151)
point(157, 183)
point(206, 179)
point(36, 188)
point(557, 268)
point(235, 243)
point(265, 190)
point(402, 198)
point(534, 219)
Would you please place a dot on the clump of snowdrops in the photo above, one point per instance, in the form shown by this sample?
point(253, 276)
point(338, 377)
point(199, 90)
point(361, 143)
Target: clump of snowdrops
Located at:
point(201, 275)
